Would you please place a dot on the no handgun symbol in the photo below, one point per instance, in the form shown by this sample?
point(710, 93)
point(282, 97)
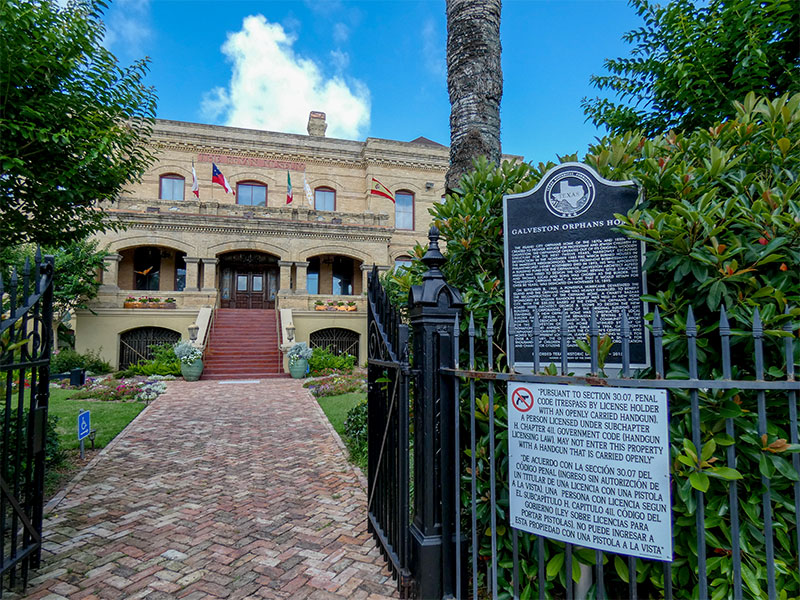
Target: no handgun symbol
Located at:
point(522, 399)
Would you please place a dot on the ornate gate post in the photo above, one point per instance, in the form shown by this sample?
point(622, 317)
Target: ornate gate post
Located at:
point(433, 309)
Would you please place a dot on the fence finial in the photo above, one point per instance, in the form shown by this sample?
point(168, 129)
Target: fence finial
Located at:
point(758, 327)
point(724, 326)
point(433, 258)
point(691, 326)
point(434, 290)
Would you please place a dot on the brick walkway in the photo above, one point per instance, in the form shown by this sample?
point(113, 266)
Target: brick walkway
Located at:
point(216, 491)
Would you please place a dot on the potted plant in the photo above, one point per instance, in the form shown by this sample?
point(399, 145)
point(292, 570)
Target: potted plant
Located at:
point(191, 358)
point(169, 303)
point(130, 302)
point(351, 306)
point(298, 359)
point(331, 305)
point(340, 305)
point(319, 305)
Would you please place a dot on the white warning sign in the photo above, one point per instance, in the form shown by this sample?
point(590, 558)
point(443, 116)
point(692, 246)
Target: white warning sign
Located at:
point(590, 466)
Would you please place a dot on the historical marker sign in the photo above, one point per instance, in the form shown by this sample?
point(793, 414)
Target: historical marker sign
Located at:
point(590, 466)
point(562, 253)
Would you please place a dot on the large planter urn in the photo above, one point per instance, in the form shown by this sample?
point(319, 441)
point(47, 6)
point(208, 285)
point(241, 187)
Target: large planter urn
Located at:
point(298, 368)
point(192, 372)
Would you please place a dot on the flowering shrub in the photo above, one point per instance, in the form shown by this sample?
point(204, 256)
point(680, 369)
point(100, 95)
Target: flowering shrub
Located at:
point(299, 351)
point(187, 352)
point(337, 384)
point(323, 362)
point(135, 389)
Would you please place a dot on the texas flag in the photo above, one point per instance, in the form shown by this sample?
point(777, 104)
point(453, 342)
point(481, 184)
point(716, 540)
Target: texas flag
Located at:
point(379, 189)
point(218, 177)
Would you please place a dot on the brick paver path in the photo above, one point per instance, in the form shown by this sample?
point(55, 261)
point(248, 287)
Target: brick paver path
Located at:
point(216, 491)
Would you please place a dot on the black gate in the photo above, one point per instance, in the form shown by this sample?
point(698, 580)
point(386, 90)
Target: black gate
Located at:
point(26, 334)
point(460, 542)
point(134, 345)
point(388, 425)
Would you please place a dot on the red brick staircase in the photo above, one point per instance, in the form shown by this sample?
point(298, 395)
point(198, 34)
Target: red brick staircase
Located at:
point(243, 344)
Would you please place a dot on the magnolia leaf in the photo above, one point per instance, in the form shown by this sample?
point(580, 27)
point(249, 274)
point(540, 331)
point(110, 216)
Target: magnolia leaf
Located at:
point(699, 481)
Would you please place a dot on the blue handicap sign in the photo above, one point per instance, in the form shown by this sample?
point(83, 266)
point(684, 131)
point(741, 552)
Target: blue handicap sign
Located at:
point(84, 424)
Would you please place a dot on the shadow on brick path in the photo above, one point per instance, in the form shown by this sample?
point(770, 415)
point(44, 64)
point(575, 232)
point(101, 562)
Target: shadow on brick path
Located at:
point(215, 491)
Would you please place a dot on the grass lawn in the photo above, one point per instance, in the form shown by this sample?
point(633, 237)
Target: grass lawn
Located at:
point(108, 418)
point(336, 408)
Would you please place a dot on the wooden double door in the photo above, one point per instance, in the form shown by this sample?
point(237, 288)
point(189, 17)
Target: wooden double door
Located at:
point(254, 287)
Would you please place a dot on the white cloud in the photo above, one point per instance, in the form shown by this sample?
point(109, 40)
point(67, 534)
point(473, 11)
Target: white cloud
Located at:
point(341, 33)
point(273, 88)
point(340, 60)
point(433, 50)
point(128, 27)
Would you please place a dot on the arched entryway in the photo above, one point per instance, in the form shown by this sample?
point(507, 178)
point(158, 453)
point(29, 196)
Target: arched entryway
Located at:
point(248, 279)
point(336, 339)
point(136, 344)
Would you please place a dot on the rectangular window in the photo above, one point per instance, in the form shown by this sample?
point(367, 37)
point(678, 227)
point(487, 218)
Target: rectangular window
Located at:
point(404, 210)
point(251, 194)
point(324, 199)
point(171, 188)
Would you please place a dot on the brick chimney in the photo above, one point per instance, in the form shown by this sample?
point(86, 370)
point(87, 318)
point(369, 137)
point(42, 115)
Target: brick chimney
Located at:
point(316, 123)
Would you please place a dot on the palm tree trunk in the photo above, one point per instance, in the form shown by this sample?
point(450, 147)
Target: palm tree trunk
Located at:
point(475, 83)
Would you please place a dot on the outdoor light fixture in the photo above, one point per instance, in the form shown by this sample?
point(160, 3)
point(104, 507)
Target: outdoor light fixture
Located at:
point(193, 329)
point(290, 332)
point(429, 185)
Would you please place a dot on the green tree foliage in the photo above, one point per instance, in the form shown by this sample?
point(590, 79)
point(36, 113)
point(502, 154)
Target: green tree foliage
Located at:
point(721, 223)
point(72, 121)
point(689, 63)
point(75, 282)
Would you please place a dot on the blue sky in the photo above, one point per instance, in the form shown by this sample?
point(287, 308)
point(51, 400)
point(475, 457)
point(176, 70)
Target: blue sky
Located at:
point(377, 68)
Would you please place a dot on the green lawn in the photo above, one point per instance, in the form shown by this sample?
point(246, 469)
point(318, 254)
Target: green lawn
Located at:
point(336, 408)
point(108, 418)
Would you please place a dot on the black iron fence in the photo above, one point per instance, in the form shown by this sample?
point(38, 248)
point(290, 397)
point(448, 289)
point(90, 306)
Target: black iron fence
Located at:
point(733, 450)
point(25, 342)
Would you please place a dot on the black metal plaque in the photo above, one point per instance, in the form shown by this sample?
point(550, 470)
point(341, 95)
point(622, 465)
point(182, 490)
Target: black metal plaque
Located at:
point(562, 254)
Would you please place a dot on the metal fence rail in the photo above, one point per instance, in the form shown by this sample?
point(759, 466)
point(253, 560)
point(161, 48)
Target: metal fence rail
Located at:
point(26, 317)
point(388, 377)
point(703, 395)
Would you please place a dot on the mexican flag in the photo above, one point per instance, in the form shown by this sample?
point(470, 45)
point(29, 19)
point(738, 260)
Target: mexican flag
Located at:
point(289, 197)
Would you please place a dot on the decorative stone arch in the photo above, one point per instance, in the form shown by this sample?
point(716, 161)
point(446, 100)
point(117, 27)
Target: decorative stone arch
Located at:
point(339, 340)
point(323, 181)
point(127, 242)
point(243, 245)
point(167, 168)
point(409, 187)
point(267, 180)
point(350, 252)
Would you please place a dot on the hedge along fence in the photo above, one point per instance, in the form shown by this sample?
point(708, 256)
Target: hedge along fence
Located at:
point(721, 221)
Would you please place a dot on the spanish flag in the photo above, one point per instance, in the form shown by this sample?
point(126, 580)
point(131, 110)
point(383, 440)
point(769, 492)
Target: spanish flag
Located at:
point(380, 190)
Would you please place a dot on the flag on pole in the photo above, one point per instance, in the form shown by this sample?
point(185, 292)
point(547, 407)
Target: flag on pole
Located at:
point(380, 190)
point(309, 194)
point(289, 196)
point(218, 177)
point(195, 184)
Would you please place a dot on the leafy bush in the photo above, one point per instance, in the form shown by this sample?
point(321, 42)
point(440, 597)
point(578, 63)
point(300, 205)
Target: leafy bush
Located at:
point(355, 431)
point(67, 359)
point(299, 351)
point(721, 222)
point(111, 389)
point(324, 361)
point(164, 362)
point(53, 453)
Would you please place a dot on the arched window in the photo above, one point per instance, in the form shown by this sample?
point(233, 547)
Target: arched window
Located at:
point(251, 193)
point(404, 210)
point(325, 199)
point(170, 187)
point(137, 344)
point(402, 262)
point(335, 339)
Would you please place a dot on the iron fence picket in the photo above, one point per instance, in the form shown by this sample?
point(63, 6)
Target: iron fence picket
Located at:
point(24, 365)
point(788, 350)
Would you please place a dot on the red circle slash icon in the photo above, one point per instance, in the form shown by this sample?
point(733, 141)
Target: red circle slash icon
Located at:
point(522, 399)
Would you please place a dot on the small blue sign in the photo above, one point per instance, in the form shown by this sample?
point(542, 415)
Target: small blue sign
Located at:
point(84, 424)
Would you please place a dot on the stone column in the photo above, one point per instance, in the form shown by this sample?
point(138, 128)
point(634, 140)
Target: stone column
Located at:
point(301, 283)
point(192, 271)
point(111, 273)
point(209, 275)
point(285, 284)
